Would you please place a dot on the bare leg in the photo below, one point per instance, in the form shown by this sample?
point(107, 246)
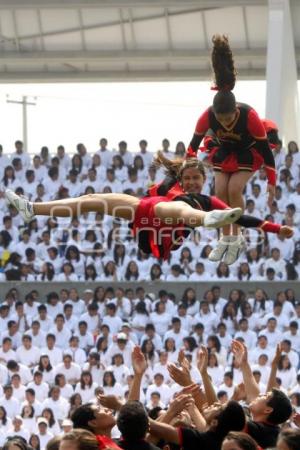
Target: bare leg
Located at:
point(221, 188)
point(178, 213)
point(117, 205)
point(236, 186)
point(123, 206)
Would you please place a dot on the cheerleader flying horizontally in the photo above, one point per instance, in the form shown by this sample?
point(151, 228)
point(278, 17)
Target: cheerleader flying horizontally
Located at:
point(162, 219)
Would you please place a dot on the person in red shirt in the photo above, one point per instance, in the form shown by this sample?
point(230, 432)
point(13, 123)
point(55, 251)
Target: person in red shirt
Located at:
point(237, 145)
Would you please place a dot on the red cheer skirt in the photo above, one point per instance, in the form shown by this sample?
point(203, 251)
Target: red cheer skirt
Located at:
point(153, 235)
point(234, 161)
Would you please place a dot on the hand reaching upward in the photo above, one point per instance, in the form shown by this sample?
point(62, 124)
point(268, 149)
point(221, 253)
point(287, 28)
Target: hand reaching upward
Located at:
point(240, 352)
point(202, 361)
point(277, 355)
point(139, 363)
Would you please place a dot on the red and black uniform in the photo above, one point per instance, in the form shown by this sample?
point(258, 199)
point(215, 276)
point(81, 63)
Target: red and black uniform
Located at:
point(242, 146)
point(160, 238)
point(272, 132)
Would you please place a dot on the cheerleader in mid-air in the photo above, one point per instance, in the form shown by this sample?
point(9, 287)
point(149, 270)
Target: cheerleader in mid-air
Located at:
point(161, 220)
point(236, 142)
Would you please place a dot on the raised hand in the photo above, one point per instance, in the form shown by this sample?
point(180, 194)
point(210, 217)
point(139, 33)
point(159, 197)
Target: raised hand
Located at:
point(191, 389)
point(180, 357)
point(180, 375)
point(296, 419)
point(110, 401)
point(182, 401)
point(202, 360)
point(240, 352)
point(138, 360)
point(277, 355)
point(239, 392)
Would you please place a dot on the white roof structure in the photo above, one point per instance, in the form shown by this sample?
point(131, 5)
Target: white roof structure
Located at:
point(117, 40)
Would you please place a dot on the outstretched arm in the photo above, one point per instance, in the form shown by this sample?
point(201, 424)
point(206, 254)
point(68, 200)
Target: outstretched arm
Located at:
point(163, 431)
point(201, 128)
point(241, 355)
point(139, 366)
point(264, 225)
point(202, 367)
point(274, 366)
point(253, 222)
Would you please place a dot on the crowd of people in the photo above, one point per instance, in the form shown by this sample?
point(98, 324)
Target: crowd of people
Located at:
point(61, 354)
point(97, 247)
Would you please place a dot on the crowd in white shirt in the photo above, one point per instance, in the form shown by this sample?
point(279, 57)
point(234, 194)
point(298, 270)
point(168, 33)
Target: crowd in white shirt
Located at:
point(62, 352)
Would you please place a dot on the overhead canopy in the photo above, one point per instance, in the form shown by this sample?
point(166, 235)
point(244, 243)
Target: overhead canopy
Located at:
point(117, 40)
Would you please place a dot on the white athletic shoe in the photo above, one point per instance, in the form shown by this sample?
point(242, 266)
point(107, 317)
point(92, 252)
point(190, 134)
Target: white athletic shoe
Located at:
point(22, 204)
point(221, 217)
point(218, 252)
point(234, 249)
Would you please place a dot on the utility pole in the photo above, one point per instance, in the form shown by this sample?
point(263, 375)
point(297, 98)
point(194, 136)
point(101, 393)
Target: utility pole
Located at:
point(24, 104)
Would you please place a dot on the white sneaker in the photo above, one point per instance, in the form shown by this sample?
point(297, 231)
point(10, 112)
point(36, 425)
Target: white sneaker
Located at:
point(218, 252)
point(221, 217)
point(234, 249)
point(22, 204)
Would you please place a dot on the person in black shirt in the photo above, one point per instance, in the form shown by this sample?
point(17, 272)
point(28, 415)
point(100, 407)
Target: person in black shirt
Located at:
point(221, 419)
point(133, 424)
point(268, 410)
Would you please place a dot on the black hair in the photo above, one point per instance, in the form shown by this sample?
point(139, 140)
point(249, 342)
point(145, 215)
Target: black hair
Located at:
point(82, 383)
point(231, 418)
point(216, 342)
point(141, 308)
point(152, 275)
point(191, 341)
point(40, 366)
point(72, 248)
point(133, 421)
point(149, 355)
point(82, 416)
point(4, 418)
point(113, 379)
point(280, 362)
point(282, 408)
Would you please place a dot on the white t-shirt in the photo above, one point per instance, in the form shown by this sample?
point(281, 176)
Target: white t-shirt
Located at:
point(59, 407)
point(12, 406)
point(55, 355)
point(87, 393)
point(41, 390)
point(164, 391)
point(71, 373)
point(28, 357)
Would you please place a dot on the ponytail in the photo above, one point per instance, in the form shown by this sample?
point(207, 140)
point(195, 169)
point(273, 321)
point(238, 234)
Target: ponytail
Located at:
point(175, 167)
point(224, 75)
point(172, 167)
point(223, 64)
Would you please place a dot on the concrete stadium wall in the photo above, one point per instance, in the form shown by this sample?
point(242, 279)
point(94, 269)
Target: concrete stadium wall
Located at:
point(176, 288)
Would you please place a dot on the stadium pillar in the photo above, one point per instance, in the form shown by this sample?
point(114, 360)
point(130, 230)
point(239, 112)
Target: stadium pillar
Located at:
point(282, 102)
point(24, 104)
